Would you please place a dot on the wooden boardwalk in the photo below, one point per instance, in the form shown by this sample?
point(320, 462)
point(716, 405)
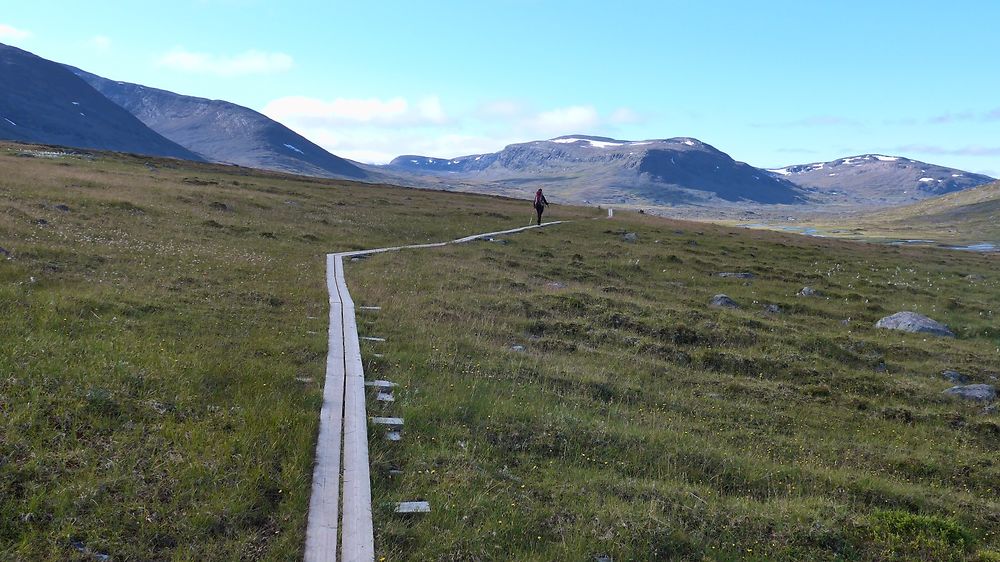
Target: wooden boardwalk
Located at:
point(340, 507)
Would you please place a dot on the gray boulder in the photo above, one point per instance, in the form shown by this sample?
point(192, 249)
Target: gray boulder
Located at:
point(808, 292)
point(630, 237)
point(723, 301)
point(772, 309)
point(915, 323)
point(978, 392)
point(735, 274)
point(954, 377)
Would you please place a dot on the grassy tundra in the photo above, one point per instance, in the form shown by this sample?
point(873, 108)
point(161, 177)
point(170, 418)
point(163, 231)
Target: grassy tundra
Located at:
point(163, 336)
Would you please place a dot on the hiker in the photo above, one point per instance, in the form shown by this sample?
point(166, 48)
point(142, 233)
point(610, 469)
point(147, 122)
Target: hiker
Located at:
point(540, 204)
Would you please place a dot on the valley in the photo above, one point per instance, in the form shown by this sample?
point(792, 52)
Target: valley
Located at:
point(569, 393)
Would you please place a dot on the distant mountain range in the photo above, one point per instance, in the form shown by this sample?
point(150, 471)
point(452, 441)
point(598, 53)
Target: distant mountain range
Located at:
point(42, 102)
point(219, 131)
point(682, 170)
point(878, 179)
point(49, 103)
point(605, 170)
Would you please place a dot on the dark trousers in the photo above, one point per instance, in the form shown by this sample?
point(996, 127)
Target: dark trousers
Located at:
point(539, 209)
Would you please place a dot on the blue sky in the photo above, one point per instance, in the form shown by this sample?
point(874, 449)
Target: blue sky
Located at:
point(769, 82)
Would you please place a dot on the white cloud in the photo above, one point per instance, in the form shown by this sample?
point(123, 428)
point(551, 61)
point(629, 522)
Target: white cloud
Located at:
point(380, 145)
point(500, 109)
point(624, 116)
point(11, 33)
point(565, 120)
point(100, 42)
point(376, 130)
point(249, 62)
point(393, 112)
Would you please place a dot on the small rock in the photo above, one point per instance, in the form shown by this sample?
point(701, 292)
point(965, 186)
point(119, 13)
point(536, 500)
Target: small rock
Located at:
point(735, 274)
point(954, 377)
point(881, 368)
point(62, 207)
point(808, 292)
point(162, 408)
point(603, 558)
point(555, 285)
point(218, 206)
point(914, 323)
point(517, 348)
point(41, 222)
point(772, 309)
point(975, 277)
point(630, 237)
point(846, 322)
point(5, 253)
point(978, 392)
point(723, 301)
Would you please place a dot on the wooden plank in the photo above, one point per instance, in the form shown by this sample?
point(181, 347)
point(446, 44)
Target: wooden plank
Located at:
point(324, 513)
point(381, 384)
point(371, 338)
point(341, 467)
point(413, 507)
point(358, 536)
point(391, 423)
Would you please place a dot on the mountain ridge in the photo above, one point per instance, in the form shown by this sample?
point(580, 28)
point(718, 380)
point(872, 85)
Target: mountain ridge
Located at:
point(671, 170)
point(222, 131)
point(878, 178)
point(42, 102)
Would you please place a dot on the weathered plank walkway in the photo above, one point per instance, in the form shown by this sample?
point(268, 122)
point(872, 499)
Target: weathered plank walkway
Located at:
point(340, 508)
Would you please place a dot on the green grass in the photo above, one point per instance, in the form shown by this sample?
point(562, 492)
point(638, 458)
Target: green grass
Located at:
point(160, 377)
point(968, 216)
point(965, 217)
point(163, 348)
point(641, 424)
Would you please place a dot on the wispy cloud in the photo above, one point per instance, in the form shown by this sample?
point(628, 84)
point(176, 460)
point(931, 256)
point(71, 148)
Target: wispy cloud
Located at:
point(565, 120)
point(950, 151)
point(966, 116)
point(501, 109)
point(625, 116)
point(392, 112)
point(813, 121)
point(376, 130)
point(249, 62)
point(11, 33)
point(100, 42)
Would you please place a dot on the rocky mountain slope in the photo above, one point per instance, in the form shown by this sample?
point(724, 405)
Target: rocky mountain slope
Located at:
point(42, 102)
point(221, 131)
point(604, 170)
point(878, 179)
